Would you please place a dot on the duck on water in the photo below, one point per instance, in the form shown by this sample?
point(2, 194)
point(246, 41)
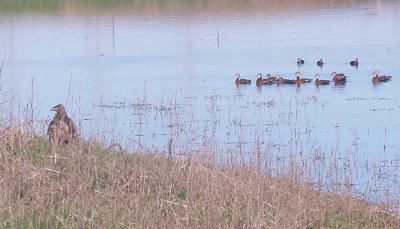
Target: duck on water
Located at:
point(379, 79)
point(267, 81)
point(300, 80)
point(239, 81)
point(320, 63)
point(354, 63)
point(338, 77)
point(318, 81)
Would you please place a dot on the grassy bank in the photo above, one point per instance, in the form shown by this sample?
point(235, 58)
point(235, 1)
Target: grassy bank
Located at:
point(90, 187)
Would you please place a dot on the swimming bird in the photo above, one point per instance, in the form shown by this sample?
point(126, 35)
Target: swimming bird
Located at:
point(320, 63)
point(301, 80)
point(241, 81)
point(62, 129)
point(270, 78)
point(279, 80)
point(300, 61)
point(338, 77)
point(354, 63)
point(378, 79)
point(320, 82)
point(383, 76)
point(260, 81)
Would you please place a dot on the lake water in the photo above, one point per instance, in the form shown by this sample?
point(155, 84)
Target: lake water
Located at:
point(143, 74)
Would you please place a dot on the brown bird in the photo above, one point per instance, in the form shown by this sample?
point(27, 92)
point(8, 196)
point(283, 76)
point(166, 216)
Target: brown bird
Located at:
point(239, 81)
point(378, 78)
point(320, 82)
point(338, 77)
point(279, 80)
point(62, 129)
point(354, 63)
point(260, 81)
point(299, 80)
point(270, 78)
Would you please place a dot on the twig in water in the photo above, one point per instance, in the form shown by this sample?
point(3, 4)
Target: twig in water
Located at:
point(218, 37)
point(69, 88)
point(113, 32)
point(2, 62)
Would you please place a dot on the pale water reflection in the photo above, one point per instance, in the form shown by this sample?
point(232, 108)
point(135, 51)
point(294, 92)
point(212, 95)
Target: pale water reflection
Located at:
point(142, 74)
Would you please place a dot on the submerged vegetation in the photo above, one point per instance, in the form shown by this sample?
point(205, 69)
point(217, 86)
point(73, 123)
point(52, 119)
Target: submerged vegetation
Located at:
point(89, 186)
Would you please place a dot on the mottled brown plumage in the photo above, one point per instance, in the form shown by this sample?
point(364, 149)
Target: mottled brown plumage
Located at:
point(62, 129)
point(379, 79)
point(338, 77)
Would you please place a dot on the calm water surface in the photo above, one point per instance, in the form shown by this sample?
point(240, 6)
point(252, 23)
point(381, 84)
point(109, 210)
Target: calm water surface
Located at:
point(142, 75)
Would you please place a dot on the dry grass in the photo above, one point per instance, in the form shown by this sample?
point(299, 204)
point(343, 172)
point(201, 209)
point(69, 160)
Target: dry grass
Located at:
point(89, 187)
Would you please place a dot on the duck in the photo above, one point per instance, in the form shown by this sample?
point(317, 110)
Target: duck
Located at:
point(270, 78)
point(260, 81)
point(301, 80)
point(354, 63)
point(279, 80)
point(300, 61)
point(378, 79)
point(320, 82)
point(383, 76)
point(320, 63)
point(338, 77)
point(241, 81)
point(62, 130)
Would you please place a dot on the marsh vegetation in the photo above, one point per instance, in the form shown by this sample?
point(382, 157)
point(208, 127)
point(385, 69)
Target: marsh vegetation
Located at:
point(87, 186)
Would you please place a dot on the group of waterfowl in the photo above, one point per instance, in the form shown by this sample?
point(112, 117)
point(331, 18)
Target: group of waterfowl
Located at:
point(320, 63)
point(277, 79)
point(337, 78)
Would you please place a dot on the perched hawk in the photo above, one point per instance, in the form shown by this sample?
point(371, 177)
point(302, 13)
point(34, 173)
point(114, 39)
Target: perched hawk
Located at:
point(62, 129)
